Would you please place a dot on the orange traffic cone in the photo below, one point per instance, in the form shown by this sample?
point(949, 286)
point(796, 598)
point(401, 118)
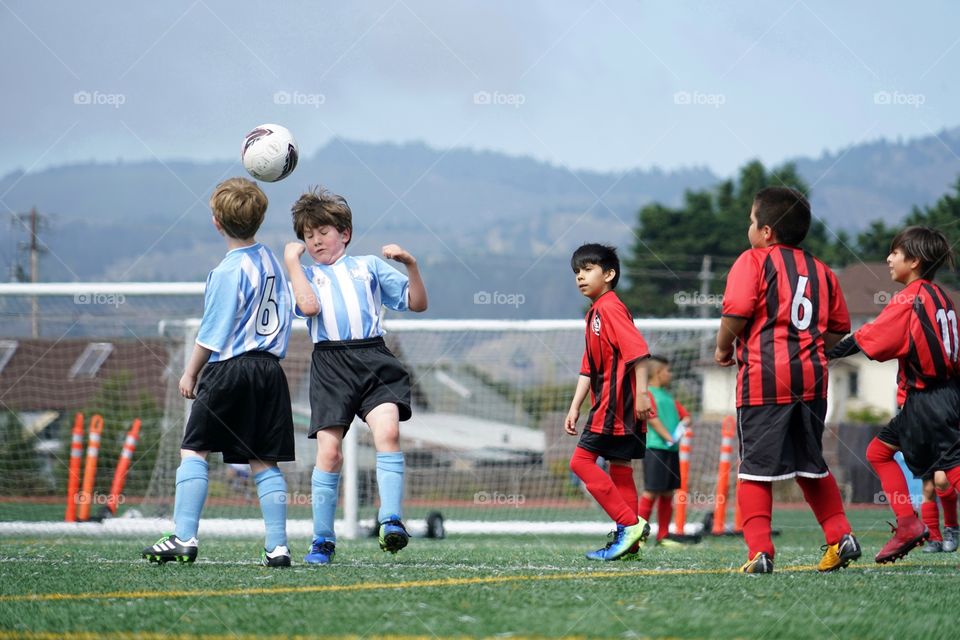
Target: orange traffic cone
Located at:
point(123, 465)
point(73, 474)
point(680, 518)
point(727, 433)
point(90, 470)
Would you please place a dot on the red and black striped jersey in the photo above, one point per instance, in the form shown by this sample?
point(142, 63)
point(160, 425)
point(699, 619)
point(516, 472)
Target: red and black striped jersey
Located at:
point(918, 327)
point(789, 300)
point(613, 346)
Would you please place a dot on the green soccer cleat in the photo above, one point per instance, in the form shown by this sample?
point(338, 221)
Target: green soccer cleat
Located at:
point(625, 539)
point(170, 548)
point(667, 543)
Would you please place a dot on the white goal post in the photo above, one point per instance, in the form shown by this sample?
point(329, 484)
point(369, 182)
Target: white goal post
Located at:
point(485, 447)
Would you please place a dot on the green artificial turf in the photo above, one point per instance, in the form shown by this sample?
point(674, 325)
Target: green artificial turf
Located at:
point(475, 585)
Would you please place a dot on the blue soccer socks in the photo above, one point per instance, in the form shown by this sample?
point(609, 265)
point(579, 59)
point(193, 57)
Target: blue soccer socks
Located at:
point(272, 491)
point(390, 482)
point(190, 496)
point(325, 489)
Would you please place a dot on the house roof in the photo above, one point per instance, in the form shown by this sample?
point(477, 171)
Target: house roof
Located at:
point(867, 288)
point(62, 375)
point(460, 432)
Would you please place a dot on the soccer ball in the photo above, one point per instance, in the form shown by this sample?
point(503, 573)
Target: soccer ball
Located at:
point(269, 153)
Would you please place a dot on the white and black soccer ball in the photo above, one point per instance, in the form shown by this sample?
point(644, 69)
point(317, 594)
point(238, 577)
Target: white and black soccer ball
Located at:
point(269, 153)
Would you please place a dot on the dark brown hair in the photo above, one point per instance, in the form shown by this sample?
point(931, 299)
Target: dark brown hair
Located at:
point(602, 255)
point(926, 244)
point(319, 207)
point(786, 211)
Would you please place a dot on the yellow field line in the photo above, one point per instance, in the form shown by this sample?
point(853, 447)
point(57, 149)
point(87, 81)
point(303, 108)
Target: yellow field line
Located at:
point(360, 586)
point(375, 586)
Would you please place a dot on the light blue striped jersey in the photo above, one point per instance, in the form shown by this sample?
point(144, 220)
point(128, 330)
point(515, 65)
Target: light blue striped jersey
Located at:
point(350, 292)
point(246, 306)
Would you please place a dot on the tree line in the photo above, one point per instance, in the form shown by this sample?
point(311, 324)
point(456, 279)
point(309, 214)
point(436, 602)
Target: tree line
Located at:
point(664, 266)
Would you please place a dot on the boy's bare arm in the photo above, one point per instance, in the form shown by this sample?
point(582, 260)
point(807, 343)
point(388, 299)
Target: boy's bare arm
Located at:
point(417, 291)
point(583, 386)
point(643, 409)
point(188, 381)
point(730, 328)
point(302, 291)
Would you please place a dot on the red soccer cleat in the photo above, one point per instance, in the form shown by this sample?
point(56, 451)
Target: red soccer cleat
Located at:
point(910, 532)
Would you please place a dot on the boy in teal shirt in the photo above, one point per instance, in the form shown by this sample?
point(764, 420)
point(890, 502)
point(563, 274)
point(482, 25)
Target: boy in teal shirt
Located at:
point(661, 467)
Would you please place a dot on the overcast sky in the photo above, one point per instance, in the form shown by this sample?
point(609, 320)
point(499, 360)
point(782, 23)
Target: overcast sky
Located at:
point(603, 85)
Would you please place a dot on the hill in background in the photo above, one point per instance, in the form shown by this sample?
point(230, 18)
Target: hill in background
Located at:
point(480, 222)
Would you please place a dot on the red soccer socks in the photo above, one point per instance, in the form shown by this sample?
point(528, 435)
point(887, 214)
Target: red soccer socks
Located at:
point(824, 499)
point(894, 484)
point(756, 506)
point(931, 517)
point(601, 487)
point(645, 508)
point(622, 476)
point(664, 513)
point(948, 501)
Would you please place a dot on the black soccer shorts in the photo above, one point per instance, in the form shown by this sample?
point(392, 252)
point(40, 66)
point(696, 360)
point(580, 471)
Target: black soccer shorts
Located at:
point(927, 429)
point(781, 441)
point(243, 409)
point(350, 378)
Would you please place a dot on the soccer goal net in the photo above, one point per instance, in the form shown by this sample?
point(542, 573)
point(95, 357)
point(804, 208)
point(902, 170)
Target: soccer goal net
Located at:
point(486, 444)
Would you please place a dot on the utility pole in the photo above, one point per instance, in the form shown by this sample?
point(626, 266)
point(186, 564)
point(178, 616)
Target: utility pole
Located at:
point(705, 276)
point(32, 221)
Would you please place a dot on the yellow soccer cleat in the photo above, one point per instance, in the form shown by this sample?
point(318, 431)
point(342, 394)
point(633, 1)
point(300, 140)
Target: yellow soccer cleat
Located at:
point(761, 563)
point(838, 556)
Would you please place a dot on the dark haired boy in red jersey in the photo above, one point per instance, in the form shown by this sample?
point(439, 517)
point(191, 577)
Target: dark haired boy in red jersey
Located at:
point(784, 309)
point(919, 328)
point(612, 371)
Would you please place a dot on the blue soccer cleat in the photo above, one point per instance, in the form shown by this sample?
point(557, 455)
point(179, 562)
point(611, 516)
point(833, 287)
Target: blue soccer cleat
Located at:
point(623, 539)
point(321, 552)
point(393, 535)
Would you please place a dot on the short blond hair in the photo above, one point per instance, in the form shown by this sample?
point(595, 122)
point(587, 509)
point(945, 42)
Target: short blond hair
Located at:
point(239, 205)
point(319, 207)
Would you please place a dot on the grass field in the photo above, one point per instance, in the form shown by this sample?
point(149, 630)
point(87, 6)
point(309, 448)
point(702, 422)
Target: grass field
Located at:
point(512, 586)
